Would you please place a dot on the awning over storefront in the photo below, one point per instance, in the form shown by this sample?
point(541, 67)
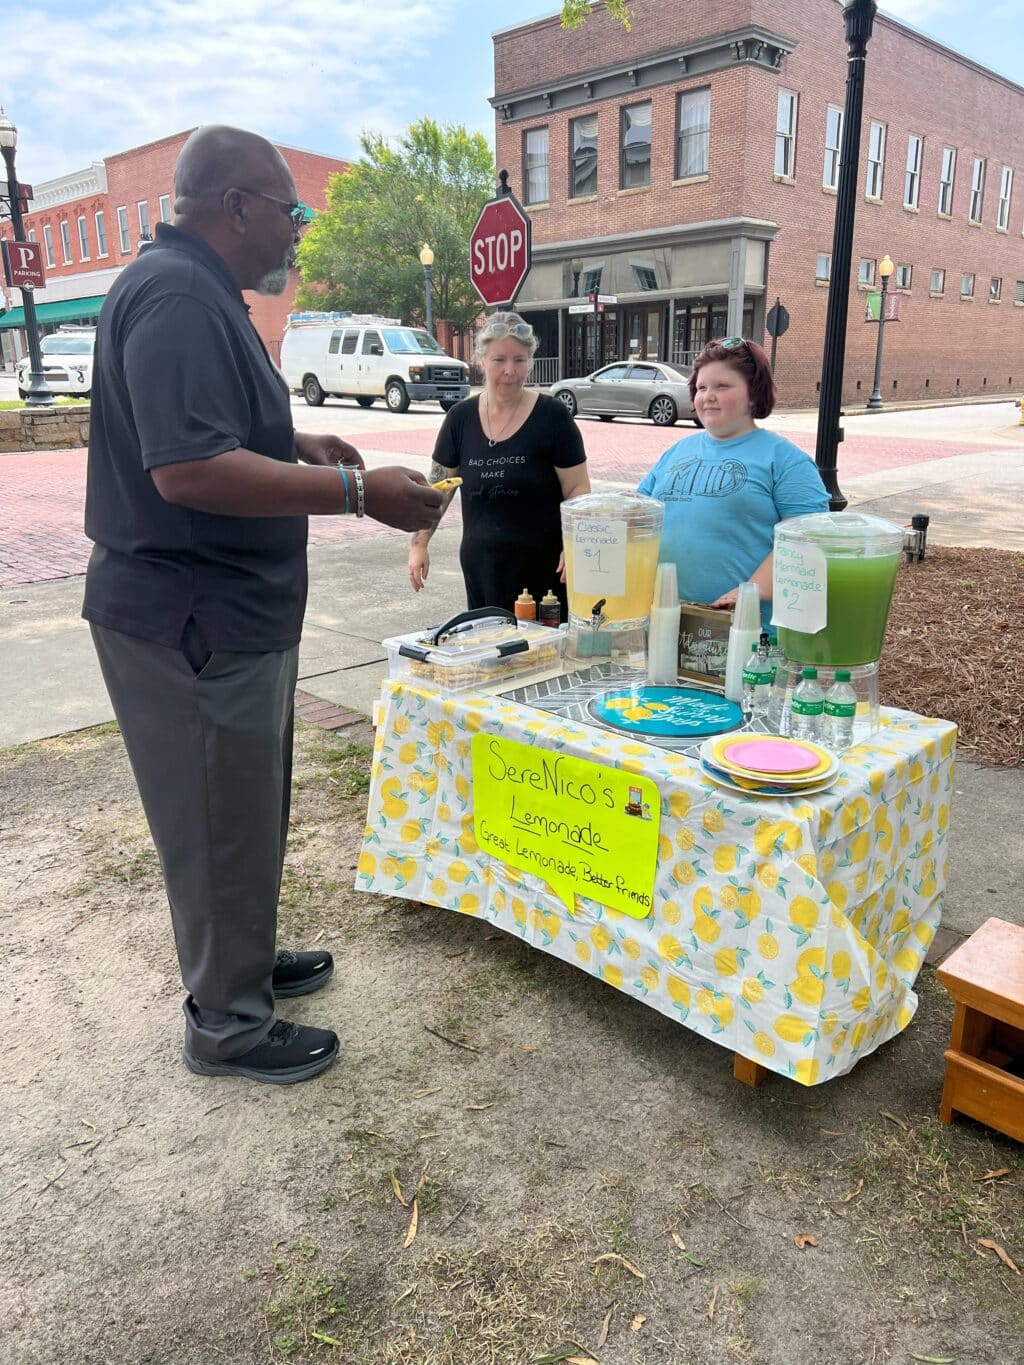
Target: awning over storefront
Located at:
point(66, 310)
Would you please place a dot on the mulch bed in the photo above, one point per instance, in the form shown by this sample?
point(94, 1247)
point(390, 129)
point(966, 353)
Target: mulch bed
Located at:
point(953, 648)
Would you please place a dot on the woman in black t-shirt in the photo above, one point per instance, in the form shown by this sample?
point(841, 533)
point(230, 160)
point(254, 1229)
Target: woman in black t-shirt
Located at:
point(519, 455)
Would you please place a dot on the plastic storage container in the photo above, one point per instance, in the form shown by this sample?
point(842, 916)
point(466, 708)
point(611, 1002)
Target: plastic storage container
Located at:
point(611, 543)
point(859, 556)
point(475, 649)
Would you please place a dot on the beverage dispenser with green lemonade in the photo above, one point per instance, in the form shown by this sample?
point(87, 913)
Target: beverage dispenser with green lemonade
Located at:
point(832, 583)
point(611, 543)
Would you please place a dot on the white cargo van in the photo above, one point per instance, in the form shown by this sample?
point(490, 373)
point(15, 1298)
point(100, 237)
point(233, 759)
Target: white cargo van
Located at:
point(367, 358)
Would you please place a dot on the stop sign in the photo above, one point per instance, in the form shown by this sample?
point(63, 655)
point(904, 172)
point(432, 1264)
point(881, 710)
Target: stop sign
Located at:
point(499, 250)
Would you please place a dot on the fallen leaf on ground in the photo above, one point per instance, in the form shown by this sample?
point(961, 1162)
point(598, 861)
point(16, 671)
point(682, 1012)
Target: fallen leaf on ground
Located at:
point(893, 1118)
point(638, 1321)
point(421, 1136)
point(854, 1192)
point(490, 1105)
point(994, 1246)
point(711, 1305)
point(620, 1260)
point(398, 1190)
point(994, 1175)
point(430, 1090)
point(414, 1222)
point(805, 1239)
point(933, 1360)
point(328, 1341)
point(682, 1247)
point(404, 1295)
point(570, 1355)
point(602, 1336)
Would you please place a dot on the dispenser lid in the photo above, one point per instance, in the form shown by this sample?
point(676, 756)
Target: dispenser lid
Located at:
point(849, 533)
point(634, 508)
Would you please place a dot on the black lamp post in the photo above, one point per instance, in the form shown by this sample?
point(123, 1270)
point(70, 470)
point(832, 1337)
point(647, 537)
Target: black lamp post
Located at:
point(576, 266)
point(859, 17)
point(39, 394)
point(885, 269)
point(427, 261)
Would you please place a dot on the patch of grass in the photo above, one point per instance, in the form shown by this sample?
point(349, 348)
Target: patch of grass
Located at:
point(61, 401)
point(308, 1307)
point(924, 1198)
point(343, 768)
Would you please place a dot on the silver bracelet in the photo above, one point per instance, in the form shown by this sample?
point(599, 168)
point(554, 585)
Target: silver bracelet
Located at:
point(357, 474)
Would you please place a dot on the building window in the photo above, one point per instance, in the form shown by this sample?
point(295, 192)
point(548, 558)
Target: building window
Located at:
point(785, 134)
point(865, 272)
point(833, 142)
point(823, 270)
point(902, 276)
point(1018, 293)
point(646, 276)
point(65, 240)
point(912, 183)
point(143, 207)
point(977, 190)
point(536, 160)
point(967, 286)
point(48, 243)
point(946, 180)
point(938, 282)
point(995, 289)
point(1005, 191)
point(101, 233)
point(165, 208)
point(583, 156)
point(876, 161)
point(83, 239)
point(122, 230)
point(693, 134)
point(32, 235)
point(635, 146)
point(592, 279)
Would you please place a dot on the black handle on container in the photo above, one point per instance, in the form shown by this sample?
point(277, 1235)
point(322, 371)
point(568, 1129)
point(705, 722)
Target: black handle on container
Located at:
point(464, 617)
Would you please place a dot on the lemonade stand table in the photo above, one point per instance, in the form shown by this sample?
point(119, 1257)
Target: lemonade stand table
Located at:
point(789, 931)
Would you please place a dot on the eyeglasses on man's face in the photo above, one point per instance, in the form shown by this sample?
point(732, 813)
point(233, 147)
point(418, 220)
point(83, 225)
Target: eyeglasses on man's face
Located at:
point(296, 212)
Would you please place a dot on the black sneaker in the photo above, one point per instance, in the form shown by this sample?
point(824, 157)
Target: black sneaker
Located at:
point(301, 973)
point(289, 1053)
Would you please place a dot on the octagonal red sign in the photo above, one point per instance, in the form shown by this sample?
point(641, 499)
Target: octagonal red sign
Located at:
point(499, 250)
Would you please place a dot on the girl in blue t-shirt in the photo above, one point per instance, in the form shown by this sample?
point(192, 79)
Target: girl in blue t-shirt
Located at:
point(726, 487)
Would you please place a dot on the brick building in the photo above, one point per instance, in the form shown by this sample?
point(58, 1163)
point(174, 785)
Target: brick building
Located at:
point(91, 223)
point(688, 169)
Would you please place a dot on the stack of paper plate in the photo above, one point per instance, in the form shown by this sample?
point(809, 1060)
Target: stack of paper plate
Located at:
point(767, 765)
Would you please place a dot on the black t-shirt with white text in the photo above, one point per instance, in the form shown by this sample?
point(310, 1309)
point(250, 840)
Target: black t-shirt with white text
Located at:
point(511, 499)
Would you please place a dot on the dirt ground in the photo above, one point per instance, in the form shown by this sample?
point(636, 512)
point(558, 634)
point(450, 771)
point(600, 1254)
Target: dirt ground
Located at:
point(590, 1182)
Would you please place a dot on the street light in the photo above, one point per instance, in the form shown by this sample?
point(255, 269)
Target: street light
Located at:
point(39, 394)
point(426, 261)
point(858, 18)
point(885, 269)
point(576, 266)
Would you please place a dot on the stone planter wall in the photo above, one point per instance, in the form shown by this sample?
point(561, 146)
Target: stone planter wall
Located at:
point(57, 428)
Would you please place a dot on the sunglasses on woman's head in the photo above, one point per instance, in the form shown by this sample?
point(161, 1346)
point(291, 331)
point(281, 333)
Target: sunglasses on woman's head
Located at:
point(522, 331)
point(729, 343)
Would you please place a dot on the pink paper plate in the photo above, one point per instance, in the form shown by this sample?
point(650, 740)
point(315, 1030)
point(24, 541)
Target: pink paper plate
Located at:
point(771, 756)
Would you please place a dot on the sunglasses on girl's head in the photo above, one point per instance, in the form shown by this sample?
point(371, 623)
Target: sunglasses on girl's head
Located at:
point(729, 343)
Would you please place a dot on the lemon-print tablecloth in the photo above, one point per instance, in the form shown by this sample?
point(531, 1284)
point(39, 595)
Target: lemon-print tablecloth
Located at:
point(789, 931)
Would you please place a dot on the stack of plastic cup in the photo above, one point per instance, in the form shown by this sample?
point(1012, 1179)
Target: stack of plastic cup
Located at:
point(744, 633)
point(663, 629)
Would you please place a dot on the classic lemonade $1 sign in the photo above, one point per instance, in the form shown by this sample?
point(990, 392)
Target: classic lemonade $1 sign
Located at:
point(587, 829)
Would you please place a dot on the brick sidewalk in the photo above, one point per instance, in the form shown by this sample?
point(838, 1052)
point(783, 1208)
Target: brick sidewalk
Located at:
point(42, 493)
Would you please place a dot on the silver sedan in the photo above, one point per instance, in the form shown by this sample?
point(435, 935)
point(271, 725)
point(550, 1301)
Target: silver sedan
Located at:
point(630, 388)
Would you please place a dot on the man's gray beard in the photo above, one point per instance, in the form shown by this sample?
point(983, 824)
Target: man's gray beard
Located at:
point(274, 281)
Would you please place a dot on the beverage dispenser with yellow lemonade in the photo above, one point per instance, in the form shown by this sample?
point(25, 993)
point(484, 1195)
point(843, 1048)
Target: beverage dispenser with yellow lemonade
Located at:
point(611, 543)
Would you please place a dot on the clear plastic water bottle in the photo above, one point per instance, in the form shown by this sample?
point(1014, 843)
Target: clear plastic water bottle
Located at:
point(808, 707)
point(840, 711)
point(758, 675)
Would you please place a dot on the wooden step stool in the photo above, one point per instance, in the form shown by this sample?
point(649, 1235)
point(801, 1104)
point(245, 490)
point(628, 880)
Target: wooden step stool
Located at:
point(985, 1057)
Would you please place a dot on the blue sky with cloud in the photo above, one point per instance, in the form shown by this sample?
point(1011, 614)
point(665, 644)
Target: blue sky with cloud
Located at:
point(104, 75)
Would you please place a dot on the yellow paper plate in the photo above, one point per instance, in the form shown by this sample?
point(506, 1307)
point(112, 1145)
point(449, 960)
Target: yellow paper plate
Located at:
point(826, 764)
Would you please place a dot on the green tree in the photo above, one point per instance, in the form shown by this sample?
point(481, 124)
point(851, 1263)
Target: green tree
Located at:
point(575, 12)
point(362, 253)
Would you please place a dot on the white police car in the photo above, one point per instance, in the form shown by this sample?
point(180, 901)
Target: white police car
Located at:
point(67, 362)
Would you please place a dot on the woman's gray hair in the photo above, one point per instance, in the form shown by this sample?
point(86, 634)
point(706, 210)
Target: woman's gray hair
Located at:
point(501, 325)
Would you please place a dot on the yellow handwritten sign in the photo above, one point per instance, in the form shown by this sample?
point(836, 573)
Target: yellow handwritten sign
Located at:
point(587, 829)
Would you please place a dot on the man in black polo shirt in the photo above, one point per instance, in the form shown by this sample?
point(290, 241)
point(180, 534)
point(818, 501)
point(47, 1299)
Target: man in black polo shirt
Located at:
point(196, 587)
